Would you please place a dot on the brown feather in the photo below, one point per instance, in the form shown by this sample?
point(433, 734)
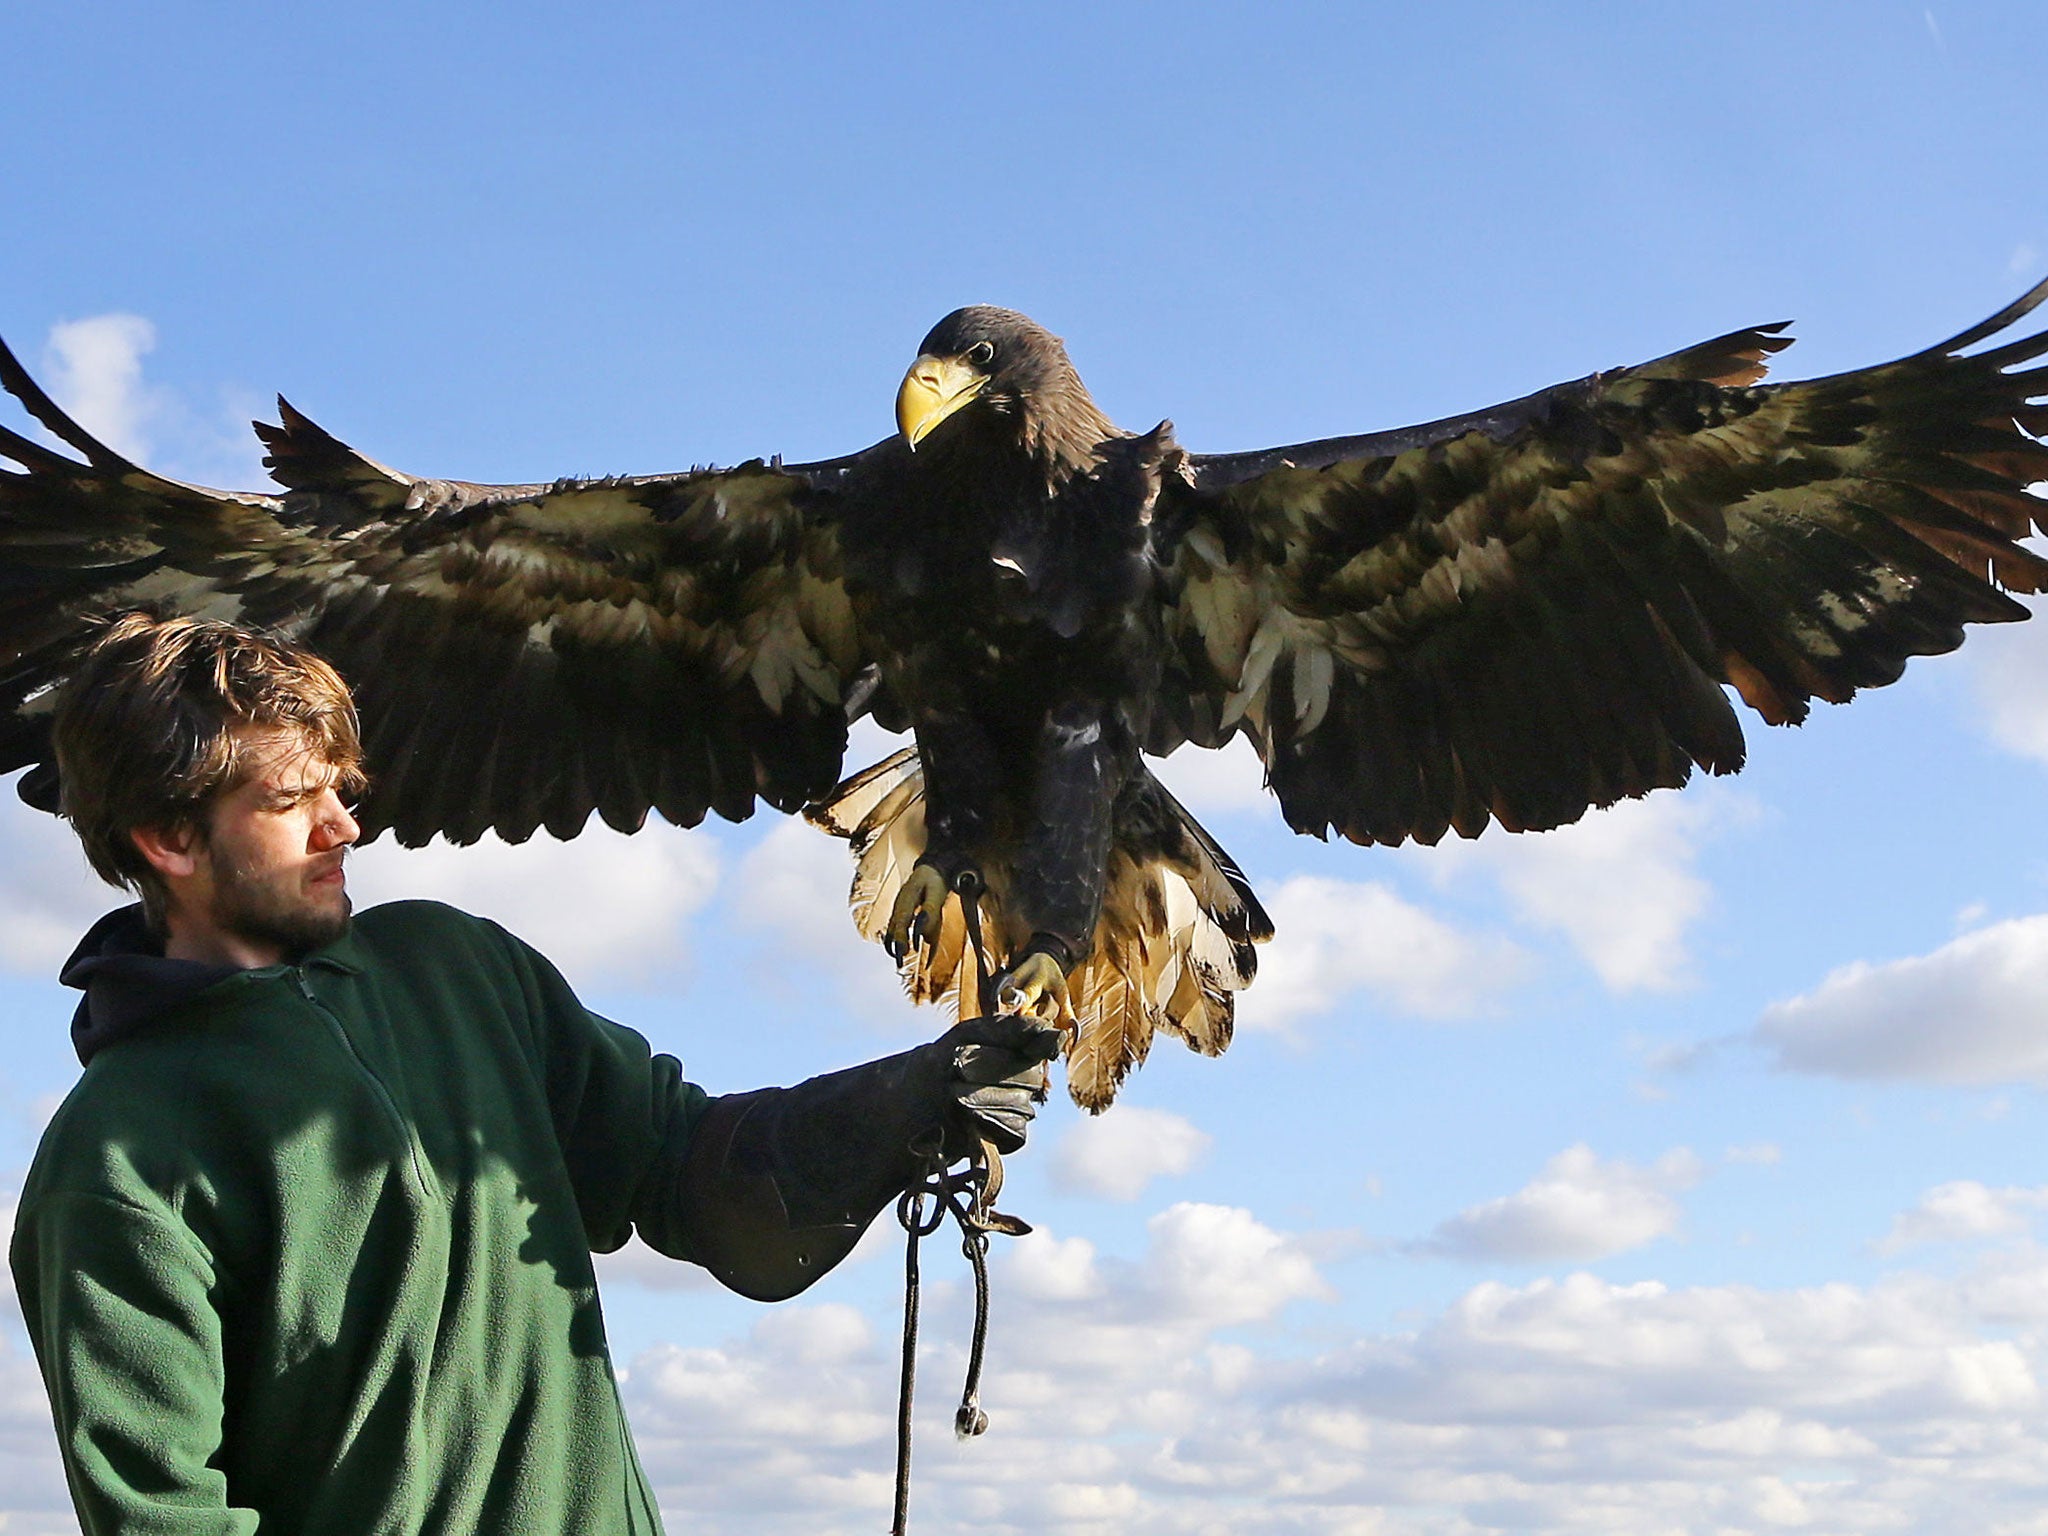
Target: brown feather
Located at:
point(1173, 946)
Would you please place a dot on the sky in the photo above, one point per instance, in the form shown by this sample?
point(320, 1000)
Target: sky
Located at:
point(1675, 1174)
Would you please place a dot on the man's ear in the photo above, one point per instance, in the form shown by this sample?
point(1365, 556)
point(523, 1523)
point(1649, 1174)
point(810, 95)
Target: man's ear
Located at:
point(173, 851)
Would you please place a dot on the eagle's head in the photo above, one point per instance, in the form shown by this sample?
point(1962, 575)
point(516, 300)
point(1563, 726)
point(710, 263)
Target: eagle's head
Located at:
point(1007, 372)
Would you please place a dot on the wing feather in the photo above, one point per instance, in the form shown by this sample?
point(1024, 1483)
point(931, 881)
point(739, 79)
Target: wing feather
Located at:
point(1516, 615)
point(523, 656)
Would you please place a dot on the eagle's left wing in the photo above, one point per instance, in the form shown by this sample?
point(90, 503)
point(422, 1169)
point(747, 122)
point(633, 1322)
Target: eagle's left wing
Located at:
point(521, 655)
point(1520, 614)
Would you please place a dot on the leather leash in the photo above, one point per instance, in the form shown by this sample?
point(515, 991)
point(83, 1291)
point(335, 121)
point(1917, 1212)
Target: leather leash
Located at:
point(968, 1196)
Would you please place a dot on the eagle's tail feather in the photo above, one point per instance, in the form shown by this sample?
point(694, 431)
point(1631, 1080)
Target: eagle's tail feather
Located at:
point(1172, 947)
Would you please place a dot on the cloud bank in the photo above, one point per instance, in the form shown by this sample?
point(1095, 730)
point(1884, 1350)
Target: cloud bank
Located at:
point(49, 895)
point(1619, 887)
point(1125, 1399)
point(1580, 1207)
point(1339, 937)
point(1969, 1012)
point(1117, 1155)
point(607, 909)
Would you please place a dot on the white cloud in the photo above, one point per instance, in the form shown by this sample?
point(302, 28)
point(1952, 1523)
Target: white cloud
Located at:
point(792, 1428)
point(1124, 1399)
point(1571, 1405)
point(1219, 1265)
point(42, 1109)
point(1338, 936)
point(94, 371)
point(604, 907)
point(2007, 1287)
point(1619, 886)
point(790, 889)
point(636, 1264)
point(2008, 670)
point(607, 909)
point(1579, 1207)
point(49, 895)
point(1048, 1268)
point(1229, 779)
point(1969, 1012)
point(1961, 1210)
point(1589, 1350)
point(867, 743)
point(1117, 1154)
point(797, 878)
point(34, 1500)
point(757, 1394)
point(10, 1206)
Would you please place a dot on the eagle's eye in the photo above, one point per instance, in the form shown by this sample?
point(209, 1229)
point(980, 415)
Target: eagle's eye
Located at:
point(981, 354)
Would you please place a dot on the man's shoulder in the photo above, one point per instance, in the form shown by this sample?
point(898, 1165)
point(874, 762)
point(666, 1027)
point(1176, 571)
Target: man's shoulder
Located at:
point(80, 1119)
point(124, 1115)
point(401, 927)
point(431, 937)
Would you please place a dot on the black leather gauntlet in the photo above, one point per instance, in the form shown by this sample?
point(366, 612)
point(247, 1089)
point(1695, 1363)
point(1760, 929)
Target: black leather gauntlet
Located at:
point(780, 1183)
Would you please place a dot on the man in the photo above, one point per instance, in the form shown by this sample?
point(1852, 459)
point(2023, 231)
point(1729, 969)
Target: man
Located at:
point(307, 1249)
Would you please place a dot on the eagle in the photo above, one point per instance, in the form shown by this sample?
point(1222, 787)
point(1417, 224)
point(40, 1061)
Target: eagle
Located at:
point(1504, 618)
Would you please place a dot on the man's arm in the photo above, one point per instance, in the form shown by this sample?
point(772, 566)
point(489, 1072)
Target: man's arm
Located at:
point(769, 1189)
point(623, 1115)
point(121, 1309)
point(780, 1183)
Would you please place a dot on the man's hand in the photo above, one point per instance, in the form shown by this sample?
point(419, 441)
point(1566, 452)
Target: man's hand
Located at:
point(999, 1077)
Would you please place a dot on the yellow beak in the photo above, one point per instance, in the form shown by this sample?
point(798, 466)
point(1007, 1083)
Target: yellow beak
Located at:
point(934, 389)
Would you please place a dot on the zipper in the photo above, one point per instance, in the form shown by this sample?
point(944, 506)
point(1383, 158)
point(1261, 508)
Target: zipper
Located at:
point(377, 1084)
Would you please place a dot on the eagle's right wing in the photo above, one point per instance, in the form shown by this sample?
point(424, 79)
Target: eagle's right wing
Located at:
point(521, 655)
point(1517, 615)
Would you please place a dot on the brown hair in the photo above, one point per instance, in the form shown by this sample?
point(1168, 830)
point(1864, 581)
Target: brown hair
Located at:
point(146, 729)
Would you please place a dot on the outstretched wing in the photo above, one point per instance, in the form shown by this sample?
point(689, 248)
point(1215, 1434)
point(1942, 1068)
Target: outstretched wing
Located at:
point(521, 655)
point(1520, 614)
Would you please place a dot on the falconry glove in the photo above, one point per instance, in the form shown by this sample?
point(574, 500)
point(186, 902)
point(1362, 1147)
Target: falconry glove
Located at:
point(780, 1183)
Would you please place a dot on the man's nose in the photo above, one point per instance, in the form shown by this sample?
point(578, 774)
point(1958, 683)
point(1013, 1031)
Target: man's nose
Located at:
point(334, 827)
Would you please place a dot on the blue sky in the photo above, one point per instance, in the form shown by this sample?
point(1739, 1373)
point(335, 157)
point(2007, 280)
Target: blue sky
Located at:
point(1678, 1172)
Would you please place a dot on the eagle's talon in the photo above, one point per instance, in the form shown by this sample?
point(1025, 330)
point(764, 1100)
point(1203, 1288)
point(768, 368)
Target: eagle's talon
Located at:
point(915, 918)
point(1036, 985)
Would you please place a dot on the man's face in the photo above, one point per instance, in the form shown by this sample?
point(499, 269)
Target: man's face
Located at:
point(269, 880)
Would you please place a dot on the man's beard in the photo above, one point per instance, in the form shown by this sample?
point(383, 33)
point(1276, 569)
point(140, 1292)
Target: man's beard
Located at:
point(254, 908)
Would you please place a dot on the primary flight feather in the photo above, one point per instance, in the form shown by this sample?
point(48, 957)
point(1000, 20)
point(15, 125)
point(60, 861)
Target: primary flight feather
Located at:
point(1511, 617)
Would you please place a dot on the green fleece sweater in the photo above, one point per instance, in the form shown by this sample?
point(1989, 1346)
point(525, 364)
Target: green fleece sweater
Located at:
point(310, 1255)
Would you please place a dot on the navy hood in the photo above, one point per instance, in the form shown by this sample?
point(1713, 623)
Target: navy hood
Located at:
point(128, 983)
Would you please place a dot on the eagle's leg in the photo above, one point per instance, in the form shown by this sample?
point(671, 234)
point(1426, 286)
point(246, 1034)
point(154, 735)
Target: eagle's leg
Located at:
point(1036, 984)
point(920, 905)
point(961, 775)
point(1083, 758)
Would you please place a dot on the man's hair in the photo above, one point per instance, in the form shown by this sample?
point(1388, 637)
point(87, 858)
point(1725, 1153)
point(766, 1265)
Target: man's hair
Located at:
point(147, 730)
